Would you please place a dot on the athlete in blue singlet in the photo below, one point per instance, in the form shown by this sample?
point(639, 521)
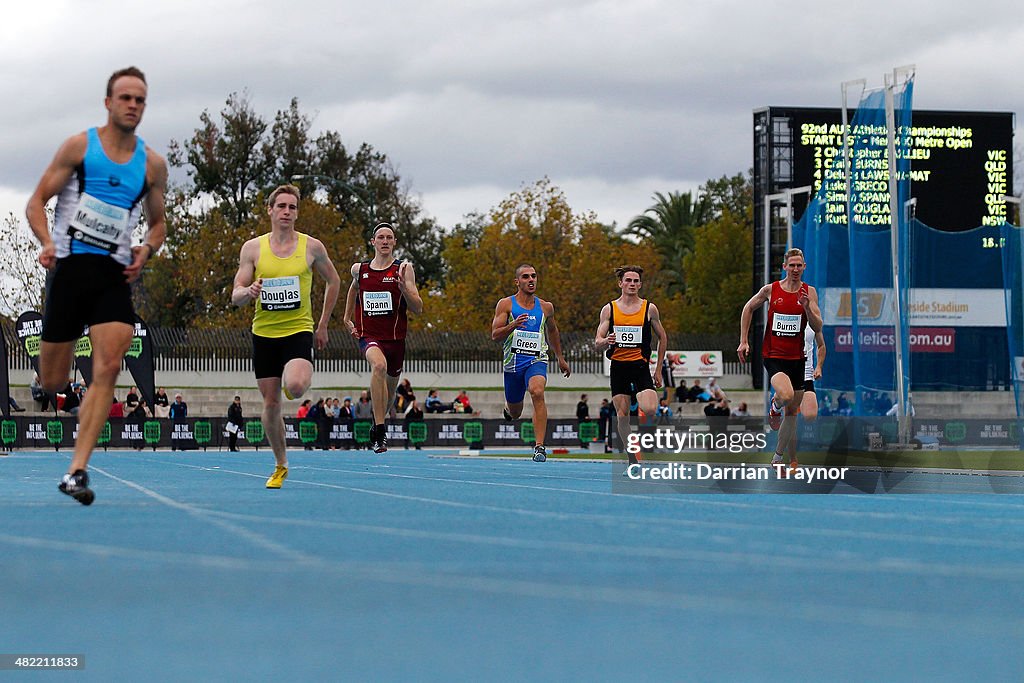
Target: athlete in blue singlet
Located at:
point(105, 178)
point(524, 324)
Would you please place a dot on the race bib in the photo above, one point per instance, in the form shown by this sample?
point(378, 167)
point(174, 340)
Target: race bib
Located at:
point(526, 343)
point(785, 325)
point(98, 224)
point(629, 336)
point(377, 303)
point(281, 293)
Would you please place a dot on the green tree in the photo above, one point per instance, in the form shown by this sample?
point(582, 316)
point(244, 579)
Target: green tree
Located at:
point(729, 193)
point(22, 280)
point(668, 225)
point(575, 257)
point(718, 273)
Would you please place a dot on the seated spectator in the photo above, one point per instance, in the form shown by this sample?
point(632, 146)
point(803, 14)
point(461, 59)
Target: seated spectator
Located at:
point(664, 411)
point(178, 409)
point(116, 409)
point(413, 414)
point(404, 396)
point(741, 410)
point(364, 407)
point(718, 408)
point(681, 392)
point(72, 398)
point(697, 393)
point(38, 395)
point(434, 404)
point(461, 403)
point(161, 404)
point(303, 409)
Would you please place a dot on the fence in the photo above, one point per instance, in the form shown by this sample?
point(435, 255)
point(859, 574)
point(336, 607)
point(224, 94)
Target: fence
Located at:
point(230, 350)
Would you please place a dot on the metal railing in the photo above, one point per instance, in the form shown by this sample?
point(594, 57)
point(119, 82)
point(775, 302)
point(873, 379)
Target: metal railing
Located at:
point(230, 350)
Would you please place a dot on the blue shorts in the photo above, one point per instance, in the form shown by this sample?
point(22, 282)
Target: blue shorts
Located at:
point(517, 381)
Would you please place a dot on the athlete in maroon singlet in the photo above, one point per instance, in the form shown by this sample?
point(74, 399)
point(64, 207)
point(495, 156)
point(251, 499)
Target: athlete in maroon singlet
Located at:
point(383, 291)
point(792, 305)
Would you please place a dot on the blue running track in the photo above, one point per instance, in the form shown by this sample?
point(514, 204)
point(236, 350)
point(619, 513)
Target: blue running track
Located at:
point(411, 567)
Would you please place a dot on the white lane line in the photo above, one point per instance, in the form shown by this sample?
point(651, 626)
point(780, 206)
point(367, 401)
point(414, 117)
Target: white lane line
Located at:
point(697, 600)
point(202, 514)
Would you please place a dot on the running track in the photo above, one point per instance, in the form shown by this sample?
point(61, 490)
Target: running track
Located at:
point(410, 567)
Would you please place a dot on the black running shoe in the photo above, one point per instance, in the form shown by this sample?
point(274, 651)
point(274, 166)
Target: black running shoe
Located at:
point(540, 454)
point(504, 413)
point(379, 442)
point(76, 485)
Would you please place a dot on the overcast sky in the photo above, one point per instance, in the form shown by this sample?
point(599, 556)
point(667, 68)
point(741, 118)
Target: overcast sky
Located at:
point(612, 100)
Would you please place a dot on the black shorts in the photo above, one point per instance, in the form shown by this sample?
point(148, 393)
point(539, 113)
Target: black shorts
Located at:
point(271, 354)
point(794, 369)
point(85, 289)
point(629, 377)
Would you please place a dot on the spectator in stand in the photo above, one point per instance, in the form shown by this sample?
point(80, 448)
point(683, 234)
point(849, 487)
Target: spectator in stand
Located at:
point(740, 411)
point(413, 414)
point(178, 411)
point(404, 396)
point(434, 404)
point(38, 395)
point(698, 394)
point(131, 401)
point(664, 412)
point(582, 415)
point(325, 425)
point(138, 416)
point(346, 419)
point(668, 363)
point(717, 413)
point(161, 404)
point(604, 424)
point(303, 410)
point(364, 408)
point(714, 390)
point(681, 392)
point(116, 409)
point(72, 398)
point(843, 405)
point(461, 403)
point(235, 423)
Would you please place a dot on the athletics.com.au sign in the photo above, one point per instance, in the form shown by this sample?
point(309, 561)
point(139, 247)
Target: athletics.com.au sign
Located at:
point(881, 339)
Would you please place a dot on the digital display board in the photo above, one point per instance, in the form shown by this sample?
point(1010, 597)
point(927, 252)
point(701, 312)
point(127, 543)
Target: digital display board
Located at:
point(961, 164)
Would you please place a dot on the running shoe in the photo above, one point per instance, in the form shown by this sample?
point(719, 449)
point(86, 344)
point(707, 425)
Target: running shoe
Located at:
point(793, 466)
point(629, 468)
point(504, 413)
point(540, 454)
point(774, 416)
point(379, 441)
point(76, 485)
point(278, 477)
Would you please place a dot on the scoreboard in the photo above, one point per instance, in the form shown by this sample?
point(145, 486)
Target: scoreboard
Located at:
point(961, 164)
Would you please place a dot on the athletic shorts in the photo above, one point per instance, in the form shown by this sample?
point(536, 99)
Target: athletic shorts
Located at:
point(516, 382)
point(394, 352)
point(809, 385)
point(630, 377)
point(85, 289)
point(794, 369)
point(271, 354)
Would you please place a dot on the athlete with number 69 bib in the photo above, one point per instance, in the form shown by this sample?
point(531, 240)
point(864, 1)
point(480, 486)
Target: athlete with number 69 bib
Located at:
point(792, 306)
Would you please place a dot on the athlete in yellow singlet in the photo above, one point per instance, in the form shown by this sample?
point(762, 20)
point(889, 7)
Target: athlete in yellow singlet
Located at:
point(276, 271)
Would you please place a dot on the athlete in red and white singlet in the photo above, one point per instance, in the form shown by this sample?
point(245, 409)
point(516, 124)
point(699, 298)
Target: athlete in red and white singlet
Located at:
point(383, 290)
point(792, 305)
